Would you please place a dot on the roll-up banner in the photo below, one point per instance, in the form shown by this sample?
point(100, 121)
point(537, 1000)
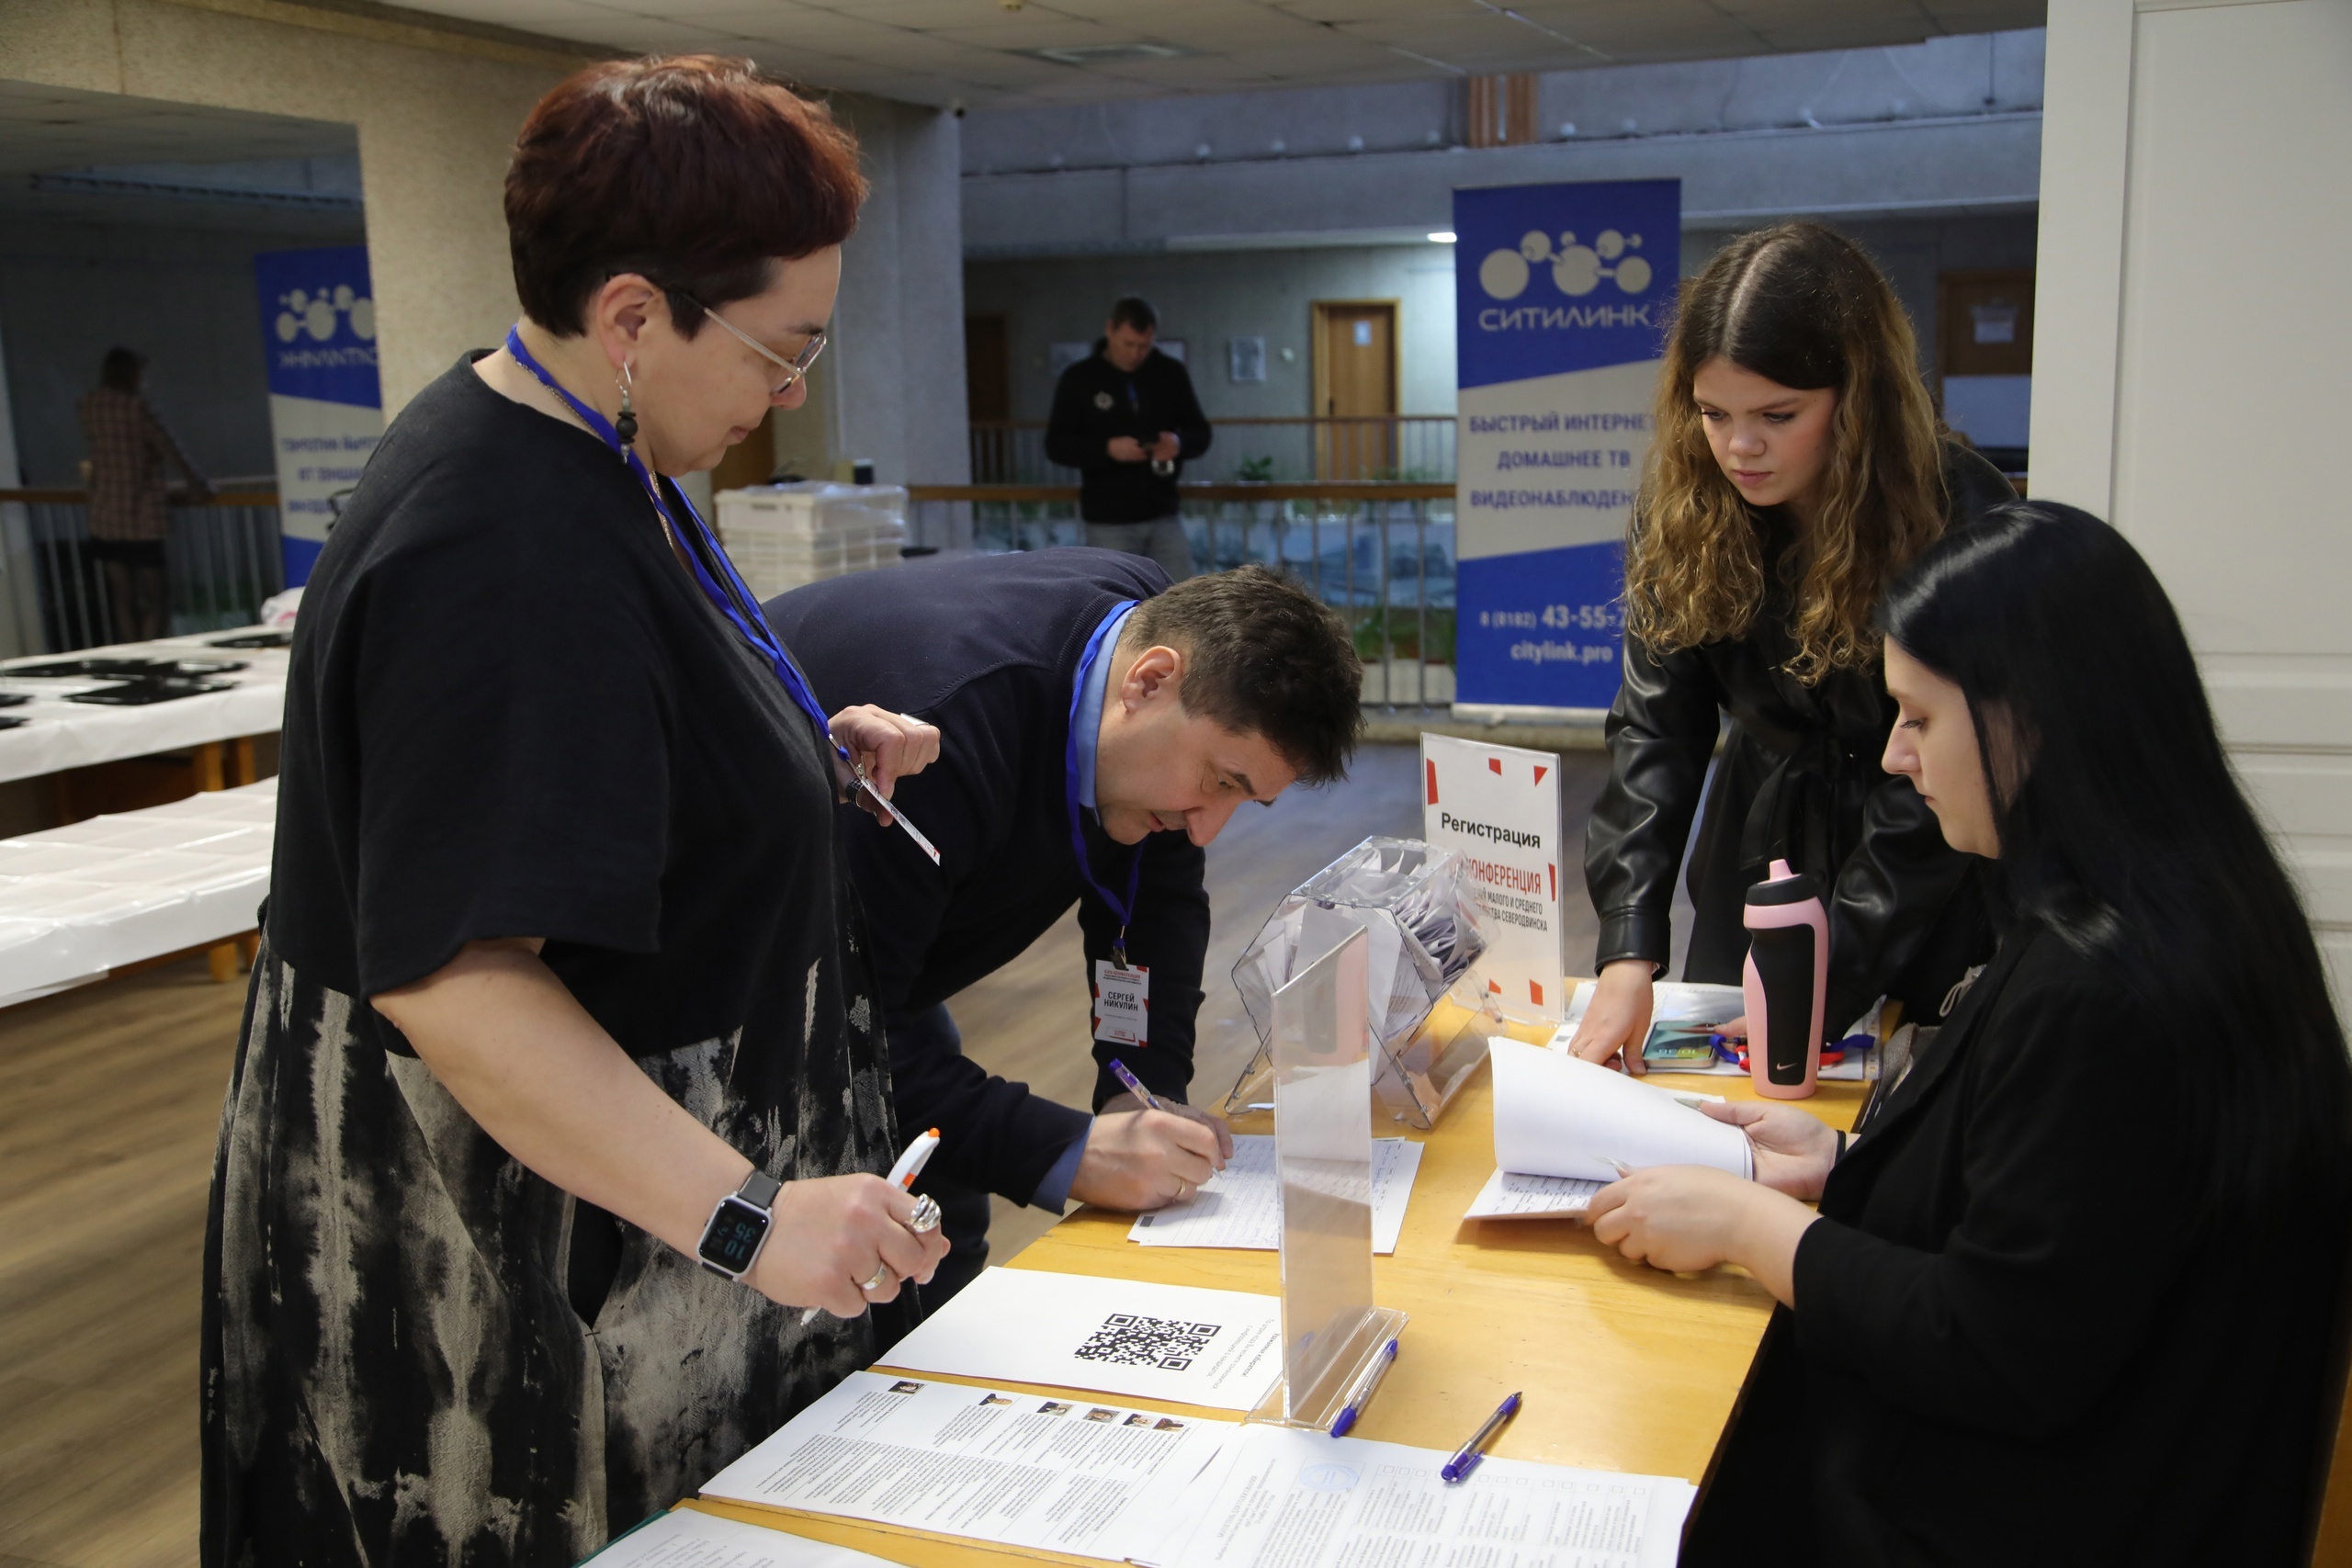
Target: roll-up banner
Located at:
point(326, 413)
point(1562, 294)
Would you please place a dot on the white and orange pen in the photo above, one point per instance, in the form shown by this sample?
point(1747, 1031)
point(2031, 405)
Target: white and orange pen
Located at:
point(903, 1176)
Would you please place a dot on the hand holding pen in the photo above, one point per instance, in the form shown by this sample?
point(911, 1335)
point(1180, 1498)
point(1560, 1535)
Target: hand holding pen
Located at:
point(922, 1222)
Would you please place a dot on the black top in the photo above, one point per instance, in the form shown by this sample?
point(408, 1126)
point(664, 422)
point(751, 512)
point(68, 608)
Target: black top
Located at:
point(987, 649)
point(1095, 400)
point(1799, 779)
point(511, 713)
point(2009, 1346)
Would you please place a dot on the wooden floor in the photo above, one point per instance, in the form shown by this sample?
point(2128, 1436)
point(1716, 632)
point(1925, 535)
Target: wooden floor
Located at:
point(109, 1097)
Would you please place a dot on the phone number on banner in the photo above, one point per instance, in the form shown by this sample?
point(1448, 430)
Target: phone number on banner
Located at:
point(1558, 617)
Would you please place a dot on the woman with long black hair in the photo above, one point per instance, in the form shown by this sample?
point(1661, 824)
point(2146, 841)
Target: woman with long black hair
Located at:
point(1798, 466)
point(2071, 1291)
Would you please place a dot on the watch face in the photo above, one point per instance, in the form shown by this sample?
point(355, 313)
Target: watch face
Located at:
point(732, 1238)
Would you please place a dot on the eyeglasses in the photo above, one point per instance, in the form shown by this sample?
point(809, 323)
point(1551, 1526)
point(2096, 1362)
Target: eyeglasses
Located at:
point(794, 369)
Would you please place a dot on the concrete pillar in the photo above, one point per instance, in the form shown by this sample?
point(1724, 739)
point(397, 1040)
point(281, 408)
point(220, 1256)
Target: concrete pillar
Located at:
point(895, 391)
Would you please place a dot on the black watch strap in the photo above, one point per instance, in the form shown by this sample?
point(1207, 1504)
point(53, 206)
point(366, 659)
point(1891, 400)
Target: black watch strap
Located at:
point(759, 1190)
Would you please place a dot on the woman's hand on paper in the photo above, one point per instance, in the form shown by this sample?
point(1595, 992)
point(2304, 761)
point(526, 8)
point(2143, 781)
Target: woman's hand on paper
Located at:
point(1138, 1159)
point(830, 1237)
point(1793, 1148)
point(1616, 1022)
point(1688, 1218)
point(888, 745)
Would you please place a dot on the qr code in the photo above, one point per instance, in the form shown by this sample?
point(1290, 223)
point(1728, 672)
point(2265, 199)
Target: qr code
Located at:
point(1130, 1339)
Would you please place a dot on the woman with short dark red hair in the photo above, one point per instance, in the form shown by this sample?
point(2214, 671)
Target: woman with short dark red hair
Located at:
point(561, 1089)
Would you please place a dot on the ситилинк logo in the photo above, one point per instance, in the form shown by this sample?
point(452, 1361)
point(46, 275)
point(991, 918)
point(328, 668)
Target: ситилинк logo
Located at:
point(302, 311)
point(1577, 270)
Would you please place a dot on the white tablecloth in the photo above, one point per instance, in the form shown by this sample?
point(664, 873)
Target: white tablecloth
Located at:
point(78, 901)
point(60, 734)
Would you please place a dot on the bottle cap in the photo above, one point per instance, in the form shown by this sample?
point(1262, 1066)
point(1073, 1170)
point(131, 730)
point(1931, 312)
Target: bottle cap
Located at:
point(1786, 885)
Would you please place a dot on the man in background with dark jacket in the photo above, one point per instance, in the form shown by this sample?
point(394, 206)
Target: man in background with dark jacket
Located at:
point(1126, 419)
point(1070, 683)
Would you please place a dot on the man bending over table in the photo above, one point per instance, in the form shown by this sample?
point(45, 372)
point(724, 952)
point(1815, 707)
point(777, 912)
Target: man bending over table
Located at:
point(1066, 684)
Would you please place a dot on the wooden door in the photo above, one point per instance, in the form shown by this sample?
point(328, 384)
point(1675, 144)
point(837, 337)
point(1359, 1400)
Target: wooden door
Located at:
point(988, 397)
point(1355, 389)
point(1984, 360)
point(1984, 322)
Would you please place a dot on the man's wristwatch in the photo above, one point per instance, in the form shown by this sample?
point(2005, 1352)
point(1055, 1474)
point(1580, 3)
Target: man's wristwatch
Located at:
point(738, 1226)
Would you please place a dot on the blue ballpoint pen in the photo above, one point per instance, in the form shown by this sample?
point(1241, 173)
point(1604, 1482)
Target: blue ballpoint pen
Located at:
point(1361, 1395)
point(1466, 1459)
point(1134, 1084)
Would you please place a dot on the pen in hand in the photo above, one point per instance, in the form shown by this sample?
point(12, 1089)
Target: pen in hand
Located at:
point(903, 1176)
point(1133, 1085)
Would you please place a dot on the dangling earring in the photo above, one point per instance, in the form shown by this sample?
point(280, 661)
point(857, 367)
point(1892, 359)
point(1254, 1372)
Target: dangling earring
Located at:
point(626, 426)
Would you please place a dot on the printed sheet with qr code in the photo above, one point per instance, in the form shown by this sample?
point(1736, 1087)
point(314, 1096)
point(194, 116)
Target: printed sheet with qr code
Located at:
point(1221, 1350)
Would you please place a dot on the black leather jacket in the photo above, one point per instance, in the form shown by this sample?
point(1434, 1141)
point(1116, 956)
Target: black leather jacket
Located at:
point(1799, 779)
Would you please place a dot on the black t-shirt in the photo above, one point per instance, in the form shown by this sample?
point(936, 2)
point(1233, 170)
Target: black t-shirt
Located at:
point(511, 713)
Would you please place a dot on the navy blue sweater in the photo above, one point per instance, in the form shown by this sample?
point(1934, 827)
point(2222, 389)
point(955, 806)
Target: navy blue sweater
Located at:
point(987, 649)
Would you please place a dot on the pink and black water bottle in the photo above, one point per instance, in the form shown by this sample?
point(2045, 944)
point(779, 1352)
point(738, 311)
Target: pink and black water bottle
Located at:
point(1786, 981)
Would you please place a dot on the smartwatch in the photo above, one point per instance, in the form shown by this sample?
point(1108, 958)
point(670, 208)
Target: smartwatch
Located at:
point(739, 1225)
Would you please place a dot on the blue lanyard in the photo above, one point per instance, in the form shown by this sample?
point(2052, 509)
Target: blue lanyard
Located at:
point(1121, 908)
point(752, 625)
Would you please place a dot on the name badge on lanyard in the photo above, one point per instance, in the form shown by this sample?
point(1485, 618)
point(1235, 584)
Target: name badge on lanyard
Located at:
point(1129, 980)
point(1122, 1003)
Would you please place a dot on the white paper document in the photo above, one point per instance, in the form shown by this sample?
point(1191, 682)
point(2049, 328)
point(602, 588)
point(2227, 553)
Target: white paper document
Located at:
point(1557, 1115)
point(684, 1539)
point(1511, 1196)
point(1241, 1205)
point(1017, 1469)
point(1276, 1497)
point(1218, 1348)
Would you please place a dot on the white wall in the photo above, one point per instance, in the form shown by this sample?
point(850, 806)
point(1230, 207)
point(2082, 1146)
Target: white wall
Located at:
point(2193, 329)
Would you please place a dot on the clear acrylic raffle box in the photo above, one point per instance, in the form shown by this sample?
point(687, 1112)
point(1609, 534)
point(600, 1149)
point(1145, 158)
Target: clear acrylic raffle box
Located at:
point(1334, 1336)
point(1421, 935)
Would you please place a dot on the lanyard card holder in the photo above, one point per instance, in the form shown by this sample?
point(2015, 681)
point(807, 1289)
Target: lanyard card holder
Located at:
point(1421, 935)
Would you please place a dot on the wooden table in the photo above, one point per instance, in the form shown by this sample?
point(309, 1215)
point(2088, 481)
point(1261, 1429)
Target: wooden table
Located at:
point(1624, 1367)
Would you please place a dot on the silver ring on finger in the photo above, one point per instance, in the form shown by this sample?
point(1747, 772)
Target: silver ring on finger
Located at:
point(925, 1219)
point(881, 1274)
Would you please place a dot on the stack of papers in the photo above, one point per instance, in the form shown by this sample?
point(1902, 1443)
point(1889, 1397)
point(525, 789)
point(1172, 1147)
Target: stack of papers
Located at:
point(1241, 1206)
point(684, 1539)
point(1102, 1481)
point(1277, 1498)
point(1015, 1469)
point(1576, 1122)
point(1221, 1350)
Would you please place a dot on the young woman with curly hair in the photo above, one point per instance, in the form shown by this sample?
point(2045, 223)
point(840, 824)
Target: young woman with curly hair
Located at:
point(1798, 466)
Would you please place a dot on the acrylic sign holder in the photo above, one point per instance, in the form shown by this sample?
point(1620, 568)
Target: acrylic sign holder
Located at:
point(1322, 1069)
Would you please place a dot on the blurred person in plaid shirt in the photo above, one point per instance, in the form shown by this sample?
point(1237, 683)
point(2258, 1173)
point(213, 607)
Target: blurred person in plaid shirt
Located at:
point(128, 446)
